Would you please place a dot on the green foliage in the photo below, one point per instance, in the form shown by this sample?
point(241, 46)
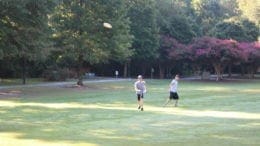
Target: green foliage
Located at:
point(144, 28)
point(251, 30)
point(79, 26)
point(240, 30)
point(24, 30)
point(80, 34)
point(72, 30)
point(229, 30)
point(173, 22)
point(210, 12)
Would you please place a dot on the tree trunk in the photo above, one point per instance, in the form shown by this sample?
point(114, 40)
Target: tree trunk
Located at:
point(230, 70)
point(242, 70)
point(218, 70)
point(168, 72)
point(129, 69)
point(196, 70)
point(80, 81)
point(152, 72)
point(24, 70)
point(143, 69)
point(79, 73)
point(125, 69)
point(251, 72)
point(161, 71)
point(80, 57)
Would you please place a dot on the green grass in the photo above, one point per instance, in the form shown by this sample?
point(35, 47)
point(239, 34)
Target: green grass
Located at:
point(105, 114)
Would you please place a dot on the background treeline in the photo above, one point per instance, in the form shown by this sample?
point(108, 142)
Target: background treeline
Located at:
point(59, 39)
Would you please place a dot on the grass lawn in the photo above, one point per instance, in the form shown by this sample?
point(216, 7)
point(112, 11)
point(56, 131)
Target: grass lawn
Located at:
point(105, 114)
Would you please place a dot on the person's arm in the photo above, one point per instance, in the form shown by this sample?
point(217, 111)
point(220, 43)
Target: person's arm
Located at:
point(145, 88)
point(136, 87)
point(171, 84)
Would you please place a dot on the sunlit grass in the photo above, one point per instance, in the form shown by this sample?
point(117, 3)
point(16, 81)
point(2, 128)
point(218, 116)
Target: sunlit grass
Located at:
point(106, 114)
point(177, 111)
point(9, 139)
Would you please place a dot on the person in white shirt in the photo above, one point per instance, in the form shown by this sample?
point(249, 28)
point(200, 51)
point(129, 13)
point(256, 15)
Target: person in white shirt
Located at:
point(140, 89)
point(173, 91)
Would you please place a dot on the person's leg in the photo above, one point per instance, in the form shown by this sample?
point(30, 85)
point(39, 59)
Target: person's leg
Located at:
point(176, 98)
point(169, 99)
point(167, 102)
point(142, 102)
point(171, 102)
point(138, 101)
point(176, 103)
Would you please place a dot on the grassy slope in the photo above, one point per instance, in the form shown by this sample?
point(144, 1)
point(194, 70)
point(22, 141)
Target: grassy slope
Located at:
point(105, 114)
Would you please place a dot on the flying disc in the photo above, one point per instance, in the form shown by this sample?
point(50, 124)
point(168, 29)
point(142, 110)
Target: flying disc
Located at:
point(107, 25)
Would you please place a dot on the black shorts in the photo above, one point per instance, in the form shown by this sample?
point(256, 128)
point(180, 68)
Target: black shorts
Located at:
point(174, 95)
point(139, 96)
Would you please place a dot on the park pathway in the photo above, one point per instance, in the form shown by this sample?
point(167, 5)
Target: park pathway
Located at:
point(65, 83)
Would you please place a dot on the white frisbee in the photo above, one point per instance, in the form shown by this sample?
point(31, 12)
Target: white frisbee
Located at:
point(107, 25)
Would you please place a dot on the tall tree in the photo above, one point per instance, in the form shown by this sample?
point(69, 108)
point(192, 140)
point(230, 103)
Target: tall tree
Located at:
point(25, 30)
point(175, 28)
point(210, 12)
point(142, 14)
point(251, 30)
point(79, 27)
point(171, 53)
point(240, 30)
point(174, 22)
point(252, 52)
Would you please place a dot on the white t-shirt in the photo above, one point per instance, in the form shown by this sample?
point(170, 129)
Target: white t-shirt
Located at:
point(140, 87)
point(173, 86)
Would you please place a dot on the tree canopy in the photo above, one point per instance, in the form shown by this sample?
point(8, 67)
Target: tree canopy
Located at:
point(79, 26)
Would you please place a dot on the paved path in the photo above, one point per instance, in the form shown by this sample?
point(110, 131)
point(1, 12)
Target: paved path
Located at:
point(57, 84)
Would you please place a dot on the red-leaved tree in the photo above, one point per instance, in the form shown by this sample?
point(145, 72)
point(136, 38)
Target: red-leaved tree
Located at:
point(251, 51)
point(171, 52)
point(215, 52)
